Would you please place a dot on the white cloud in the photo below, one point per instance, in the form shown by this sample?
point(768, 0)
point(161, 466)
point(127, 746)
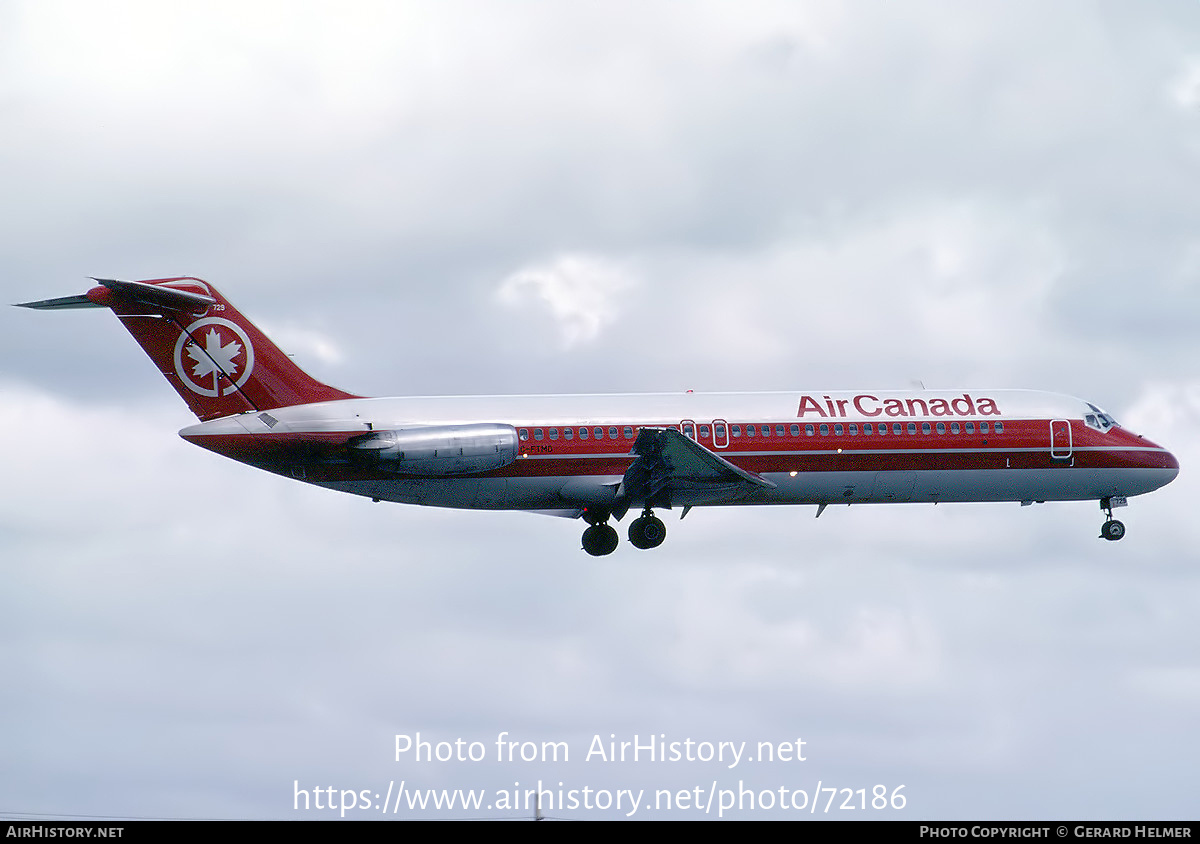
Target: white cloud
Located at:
point(1167, 409)
point(1185, 87)
point(952, 284)
point(1171, 683)
point(306, 341)
point(583, 293)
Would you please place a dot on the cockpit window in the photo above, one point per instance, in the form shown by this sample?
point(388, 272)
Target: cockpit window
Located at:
point(1099, 420)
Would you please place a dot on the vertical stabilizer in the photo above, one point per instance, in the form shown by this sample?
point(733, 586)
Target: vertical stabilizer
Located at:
point(215, 358)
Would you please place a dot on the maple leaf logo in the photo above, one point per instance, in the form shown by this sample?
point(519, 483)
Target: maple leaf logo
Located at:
point(219, 357)
point(215, 358)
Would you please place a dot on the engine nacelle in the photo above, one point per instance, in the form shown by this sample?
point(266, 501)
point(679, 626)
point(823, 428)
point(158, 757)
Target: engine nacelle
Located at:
point(438, 449)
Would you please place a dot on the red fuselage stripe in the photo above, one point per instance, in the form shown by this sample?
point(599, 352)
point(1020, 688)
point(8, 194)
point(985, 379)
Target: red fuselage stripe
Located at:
point(1024, 444)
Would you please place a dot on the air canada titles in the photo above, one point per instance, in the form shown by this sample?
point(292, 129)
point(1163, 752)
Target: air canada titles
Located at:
point(867, 405)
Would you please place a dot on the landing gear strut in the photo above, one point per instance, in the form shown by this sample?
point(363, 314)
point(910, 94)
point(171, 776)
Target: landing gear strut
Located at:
point(1112, 530)
point(647, 531)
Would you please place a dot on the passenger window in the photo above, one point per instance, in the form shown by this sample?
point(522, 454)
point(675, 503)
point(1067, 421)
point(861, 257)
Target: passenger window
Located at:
point(524, 434)
point(598, 433)
point(689, 431)
point(628, 432)
point(837, 430)
point(925, 429)
point(824, 430)
point(794, 430)
point(970, 426)
point(583, 433)
point(568, 433)
point(612, 433)
point(868, 429)
point(779, 430)
point(808, 430)
point(983, 427)
point(954, 427)
point(853, 430)
point(999, 427)
point(941, 427)
point(537, 433)
point(553, 433)
point(912, 428)
point(703, 432)
point(737, 430)
point(749, 430)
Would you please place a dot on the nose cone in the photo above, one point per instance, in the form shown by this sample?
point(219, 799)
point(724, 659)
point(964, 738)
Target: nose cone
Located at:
point(1157, 466)
point(1172, 463)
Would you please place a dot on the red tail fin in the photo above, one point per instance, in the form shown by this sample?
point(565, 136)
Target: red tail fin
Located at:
point(213, 356)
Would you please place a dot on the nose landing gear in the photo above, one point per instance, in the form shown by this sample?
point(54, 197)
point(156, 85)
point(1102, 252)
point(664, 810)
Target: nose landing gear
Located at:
point(1112, 530)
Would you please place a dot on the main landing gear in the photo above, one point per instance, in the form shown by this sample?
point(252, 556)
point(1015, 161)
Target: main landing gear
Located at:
point(1112, 530)
point(600, 539)
point(647, 530)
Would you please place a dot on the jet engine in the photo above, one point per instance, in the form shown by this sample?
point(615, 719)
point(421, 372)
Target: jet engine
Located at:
point(437, 449)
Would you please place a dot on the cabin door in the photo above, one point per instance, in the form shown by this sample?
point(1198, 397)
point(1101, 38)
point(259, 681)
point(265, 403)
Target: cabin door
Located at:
point(1060, 439)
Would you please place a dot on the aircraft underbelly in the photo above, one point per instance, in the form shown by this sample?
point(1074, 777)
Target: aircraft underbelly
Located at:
point(1052, 484)
point(546, 492)
point(460, 493)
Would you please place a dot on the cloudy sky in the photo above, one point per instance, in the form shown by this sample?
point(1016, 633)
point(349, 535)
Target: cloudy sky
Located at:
point(463, 197)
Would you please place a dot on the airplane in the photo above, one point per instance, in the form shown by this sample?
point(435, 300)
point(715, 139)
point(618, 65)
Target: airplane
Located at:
point(597, 457)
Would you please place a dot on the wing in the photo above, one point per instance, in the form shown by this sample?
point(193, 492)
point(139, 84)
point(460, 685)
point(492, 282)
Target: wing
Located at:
point(674, 469)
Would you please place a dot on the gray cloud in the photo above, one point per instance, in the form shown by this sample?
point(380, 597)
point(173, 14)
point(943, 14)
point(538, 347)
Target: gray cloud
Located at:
point(807, 196)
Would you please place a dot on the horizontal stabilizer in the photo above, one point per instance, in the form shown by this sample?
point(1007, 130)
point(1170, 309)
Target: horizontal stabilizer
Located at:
point(158, 296)
point(60, 304)
point(135, 292)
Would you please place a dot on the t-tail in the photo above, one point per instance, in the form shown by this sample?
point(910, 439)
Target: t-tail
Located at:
point(214, 357)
